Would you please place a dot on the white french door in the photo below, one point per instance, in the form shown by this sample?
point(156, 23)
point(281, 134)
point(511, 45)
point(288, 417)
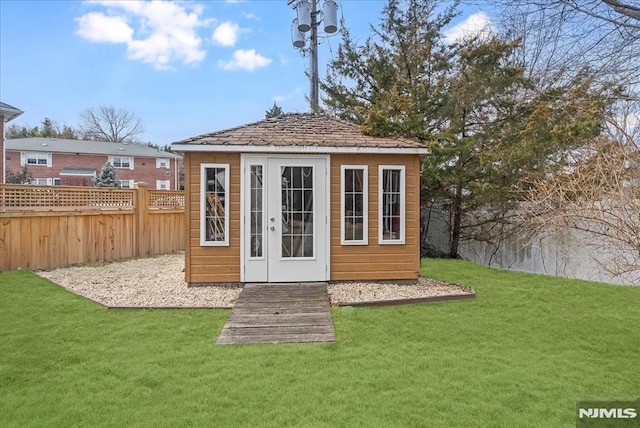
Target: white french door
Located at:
point(285, 212)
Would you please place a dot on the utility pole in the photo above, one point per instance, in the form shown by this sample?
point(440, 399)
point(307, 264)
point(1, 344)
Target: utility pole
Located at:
point(314, 57)
point(309, 19)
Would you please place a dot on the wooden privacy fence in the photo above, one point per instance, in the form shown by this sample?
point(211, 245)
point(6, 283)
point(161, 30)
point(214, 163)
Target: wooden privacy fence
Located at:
point(43, 227)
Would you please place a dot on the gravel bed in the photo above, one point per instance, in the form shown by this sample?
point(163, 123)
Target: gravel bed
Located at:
point(360, 292)
point(158, 282)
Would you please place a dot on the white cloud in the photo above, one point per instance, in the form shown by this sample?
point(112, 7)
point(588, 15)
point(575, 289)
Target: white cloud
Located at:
point(226, 34)
point(245, 60)
point(290, 96)
point(154, 32)
point(97, 27)
point(251, 16)
point(478, 24)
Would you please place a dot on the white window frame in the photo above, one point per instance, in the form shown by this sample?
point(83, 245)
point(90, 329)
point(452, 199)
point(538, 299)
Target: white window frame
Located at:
point(403, 213)
point(167, 184)
point(41, 181)
point(203, 205)
point(38, 156)
point(113, 163)
point(365, 205)
point(129, 184)
point(166, 161)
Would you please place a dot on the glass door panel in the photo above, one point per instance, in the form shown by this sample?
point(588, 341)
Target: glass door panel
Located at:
point(297, 211)
point(256, 211)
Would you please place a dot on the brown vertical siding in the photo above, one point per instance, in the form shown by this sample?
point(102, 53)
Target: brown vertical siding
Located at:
point(348, 262)
point(375, 261)
point(211, 264)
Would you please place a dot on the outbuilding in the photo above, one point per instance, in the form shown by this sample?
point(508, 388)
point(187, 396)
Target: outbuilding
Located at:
point(300, 198)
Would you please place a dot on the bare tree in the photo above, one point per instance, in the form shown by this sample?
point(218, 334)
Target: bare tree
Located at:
point(600, 196)
point(108, 123)
point(622, 14)
point(623, 123)
point(565, 39)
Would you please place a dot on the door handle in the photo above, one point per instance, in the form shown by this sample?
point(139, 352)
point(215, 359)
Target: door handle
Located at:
point(272, 228)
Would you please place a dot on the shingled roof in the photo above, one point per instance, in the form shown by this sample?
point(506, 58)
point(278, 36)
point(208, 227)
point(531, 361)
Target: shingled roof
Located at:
point(62, 145)
point(9, 112)
point(298, 132)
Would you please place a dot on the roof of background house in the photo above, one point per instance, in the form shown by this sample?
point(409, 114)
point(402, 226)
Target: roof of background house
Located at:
point(9, 112)
point(298, 132)
point(59, 145)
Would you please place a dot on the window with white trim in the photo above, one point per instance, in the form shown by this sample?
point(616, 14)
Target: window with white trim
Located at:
point(214, 204)
point(42, 181)
point(354, 203)
point(391, 204)
point(35, 159)
point(121, 162)
point(162, 163)
point(163, 184)
point(56, 182)
point(126, 184)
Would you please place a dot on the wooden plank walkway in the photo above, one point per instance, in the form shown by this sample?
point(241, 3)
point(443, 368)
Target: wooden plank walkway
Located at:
point(280, 313)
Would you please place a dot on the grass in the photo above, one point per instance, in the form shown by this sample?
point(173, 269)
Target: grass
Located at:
point(520, 354)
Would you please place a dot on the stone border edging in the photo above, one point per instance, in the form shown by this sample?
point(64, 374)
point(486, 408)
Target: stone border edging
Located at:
point(166, 307)
point(398, 302)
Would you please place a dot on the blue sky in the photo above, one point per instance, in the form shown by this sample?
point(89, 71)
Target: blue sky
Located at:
point(184, 68)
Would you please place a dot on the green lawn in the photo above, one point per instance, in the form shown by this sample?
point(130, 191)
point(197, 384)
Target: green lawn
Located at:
point(520, 354)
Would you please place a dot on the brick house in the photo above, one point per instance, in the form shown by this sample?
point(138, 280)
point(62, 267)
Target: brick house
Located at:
point(7, 113)
point(55, 161)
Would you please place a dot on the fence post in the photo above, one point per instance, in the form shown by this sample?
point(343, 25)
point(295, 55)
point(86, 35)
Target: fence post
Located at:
point(142, 219)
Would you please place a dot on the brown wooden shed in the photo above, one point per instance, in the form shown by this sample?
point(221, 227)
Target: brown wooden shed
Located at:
point(301, 197)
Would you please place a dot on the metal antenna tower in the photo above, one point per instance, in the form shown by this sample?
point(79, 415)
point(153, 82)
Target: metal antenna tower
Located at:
point(308, 20)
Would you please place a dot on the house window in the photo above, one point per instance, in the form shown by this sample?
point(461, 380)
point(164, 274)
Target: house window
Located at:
point(162, 184)
point(391, 205)
point(354, 203)
point(214, 204)
point(162, 163)
point(56, 182)
point(42, 181)
point(121, 162)
point(126, 184)
point(35, 158)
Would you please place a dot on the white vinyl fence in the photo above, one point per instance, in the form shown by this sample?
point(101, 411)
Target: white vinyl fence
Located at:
point(571, 254)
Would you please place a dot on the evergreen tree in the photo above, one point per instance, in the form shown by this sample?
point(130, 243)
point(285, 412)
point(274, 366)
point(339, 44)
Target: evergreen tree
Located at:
point(275, 111)
point(393, 84)
point(107, 177)
point(48, 128)
point(469, 102)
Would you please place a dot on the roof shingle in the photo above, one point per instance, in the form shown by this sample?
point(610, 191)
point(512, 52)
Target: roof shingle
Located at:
point(61, 145)
point(298, 130)
point(9, 112)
